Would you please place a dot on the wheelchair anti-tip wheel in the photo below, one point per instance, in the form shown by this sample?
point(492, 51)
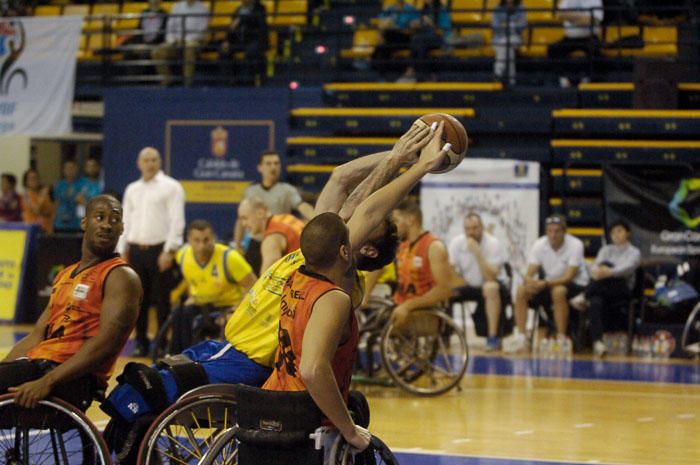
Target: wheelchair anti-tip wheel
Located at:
point(54, 432)
point(690, 341)
point(185, 430)
point(428, 356)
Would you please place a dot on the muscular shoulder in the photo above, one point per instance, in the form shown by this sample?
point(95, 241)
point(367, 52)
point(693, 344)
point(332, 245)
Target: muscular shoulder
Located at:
point(123, 280)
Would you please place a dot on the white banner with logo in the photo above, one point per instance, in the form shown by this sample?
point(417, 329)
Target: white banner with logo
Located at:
point(505, 193)
point(37, 74)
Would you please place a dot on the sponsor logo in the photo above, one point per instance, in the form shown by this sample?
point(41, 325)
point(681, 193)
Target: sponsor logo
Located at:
point(12, 41)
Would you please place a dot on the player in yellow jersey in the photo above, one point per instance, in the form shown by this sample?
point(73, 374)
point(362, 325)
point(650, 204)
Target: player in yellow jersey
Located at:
point(251, 333)
point(216, 276)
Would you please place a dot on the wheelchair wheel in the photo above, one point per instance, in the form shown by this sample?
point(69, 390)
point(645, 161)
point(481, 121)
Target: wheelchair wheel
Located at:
point(185, 430)
point(377, 453)
point(371, 321)
point(428, 356)
point(691, 333)
point(223, 451)
point(54, 432)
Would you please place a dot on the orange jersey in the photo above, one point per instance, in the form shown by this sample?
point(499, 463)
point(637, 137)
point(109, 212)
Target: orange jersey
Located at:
point(413, 267)
point(289, 226)
point(301, 291)
point(74, 314)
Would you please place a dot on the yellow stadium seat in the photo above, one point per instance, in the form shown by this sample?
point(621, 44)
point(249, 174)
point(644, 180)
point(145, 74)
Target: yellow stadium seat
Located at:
point(484, 51)
point(540, 38)
point(363, 43)
point(101, 14)
point(539, 10)
point(290, 13)
point(76, 10)
point(475, 13)
point(47, 10)
point(98, 44)
point(660, 41)
point(270, 9)
point(167, 6)
point(133, 10)
point(223, 13)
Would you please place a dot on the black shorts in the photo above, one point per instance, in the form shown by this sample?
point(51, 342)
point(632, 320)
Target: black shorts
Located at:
point(475, 294)
point(544, 297)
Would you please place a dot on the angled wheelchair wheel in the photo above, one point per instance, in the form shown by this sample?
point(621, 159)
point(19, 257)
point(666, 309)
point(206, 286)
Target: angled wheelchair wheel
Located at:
point(223, 451)
point(690, 340)
point(377, 453)
point(428, 356)
point(54, 432)
point(184, 431)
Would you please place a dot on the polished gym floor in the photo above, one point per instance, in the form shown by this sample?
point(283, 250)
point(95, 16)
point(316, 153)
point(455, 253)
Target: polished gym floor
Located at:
point(523, 410)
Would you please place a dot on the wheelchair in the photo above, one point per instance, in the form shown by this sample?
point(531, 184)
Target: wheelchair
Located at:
point(183, 432)
point(281, 428)
point(690, 340)
point(208, 324)
point(55, 432)
point(427, 357)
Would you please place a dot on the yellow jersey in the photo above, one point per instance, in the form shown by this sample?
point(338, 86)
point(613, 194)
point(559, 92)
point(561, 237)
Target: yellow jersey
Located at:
point(215, 282)
point(253, 327)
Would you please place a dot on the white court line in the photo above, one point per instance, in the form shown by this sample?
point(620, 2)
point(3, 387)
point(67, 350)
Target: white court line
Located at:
point(523, 432)
point(461, 440)
point(583, 425)
point(645, 419)
point(634, 394)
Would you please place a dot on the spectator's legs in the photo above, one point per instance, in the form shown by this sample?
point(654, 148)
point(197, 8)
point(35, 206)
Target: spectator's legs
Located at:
point(522, 297)
point(499, 62)
point(492, 299)
point(598, 293)
point(144, 261)
point(190, 60)
point(559, 51)
point(164, 52)
point(560, 307)
point(421, 44)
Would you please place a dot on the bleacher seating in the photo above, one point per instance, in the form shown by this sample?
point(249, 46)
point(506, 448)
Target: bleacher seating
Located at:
point(625, 122)
point(602, 151)
point(443, 94)
point(334, 149)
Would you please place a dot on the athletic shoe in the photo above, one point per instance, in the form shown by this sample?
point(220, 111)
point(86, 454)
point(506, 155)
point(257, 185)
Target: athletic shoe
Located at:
point(515, 344)
point(493, 344)
point(599, 349)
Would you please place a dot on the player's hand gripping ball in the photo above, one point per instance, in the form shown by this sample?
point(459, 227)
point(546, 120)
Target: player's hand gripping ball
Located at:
point(454, 133)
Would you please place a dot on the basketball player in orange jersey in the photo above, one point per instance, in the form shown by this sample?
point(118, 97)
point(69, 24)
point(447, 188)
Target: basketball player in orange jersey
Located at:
point(93, 308)
point(280, 232)
point(318, 331)
point(425, 276)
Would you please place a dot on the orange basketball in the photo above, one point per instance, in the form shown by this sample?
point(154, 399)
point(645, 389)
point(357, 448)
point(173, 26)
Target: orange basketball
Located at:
point(455, 134)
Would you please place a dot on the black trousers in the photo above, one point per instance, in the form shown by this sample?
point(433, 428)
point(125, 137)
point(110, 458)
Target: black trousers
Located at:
point(156, 287)
point(606, 298)
point(78, 392)
point(559, 51)
point(184, 332)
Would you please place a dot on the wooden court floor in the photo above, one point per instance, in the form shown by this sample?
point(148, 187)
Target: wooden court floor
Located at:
point(526, 411)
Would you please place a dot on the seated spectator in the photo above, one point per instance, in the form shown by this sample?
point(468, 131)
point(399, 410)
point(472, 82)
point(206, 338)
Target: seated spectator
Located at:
point(613, 279)
point(151, 27)
point(509, 21)
point(186, 27)
point(216, 276)
point(10, 201)
point(37, 207)
point(431, 33)
point(318, 328)
point(280, 233)
point(397, 24)
point(248, 34)
point(65, 194)
point(72, 349)
point(478, 258)
point(582, 19)
point(559, 257)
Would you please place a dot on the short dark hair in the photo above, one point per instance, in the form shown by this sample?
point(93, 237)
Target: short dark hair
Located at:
point(199, 225)
point(474, 215)
point(556, 219)
point(11, 178)
point(386, 249)
point(322, 238)
point(268, 153)
point(411, 208)
point(102, 198)
point(622, 223)
point(26, 175)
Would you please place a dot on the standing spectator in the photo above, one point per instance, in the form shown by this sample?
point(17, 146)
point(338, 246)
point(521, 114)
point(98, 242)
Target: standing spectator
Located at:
point(248, 34)
point(280, 197)
point(431, 32)
point(66, 194)
point(478, 257)
point(559, 257)
point(613, 279)
point(152, 24)
point(582, 19)
point(10, 201)
point(424, 271)
point(92, 183)
point(397, 23)
point(37, 207)
point(185, 31)
point(154, 220)
point(509, 21)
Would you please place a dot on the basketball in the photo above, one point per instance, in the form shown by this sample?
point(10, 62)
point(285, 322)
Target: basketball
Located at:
point(455, 134)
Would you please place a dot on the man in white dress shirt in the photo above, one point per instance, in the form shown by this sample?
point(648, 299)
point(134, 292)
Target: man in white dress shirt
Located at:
point(154, 222)
point(557, 256)
point(478, 258)
point(185, 31)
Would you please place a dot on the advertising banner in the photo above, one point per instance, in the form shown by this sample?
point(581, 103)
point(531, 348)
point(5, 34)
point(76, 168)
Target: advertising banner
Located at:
point(661, 205)
point(505, 193)
point(37, 74)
